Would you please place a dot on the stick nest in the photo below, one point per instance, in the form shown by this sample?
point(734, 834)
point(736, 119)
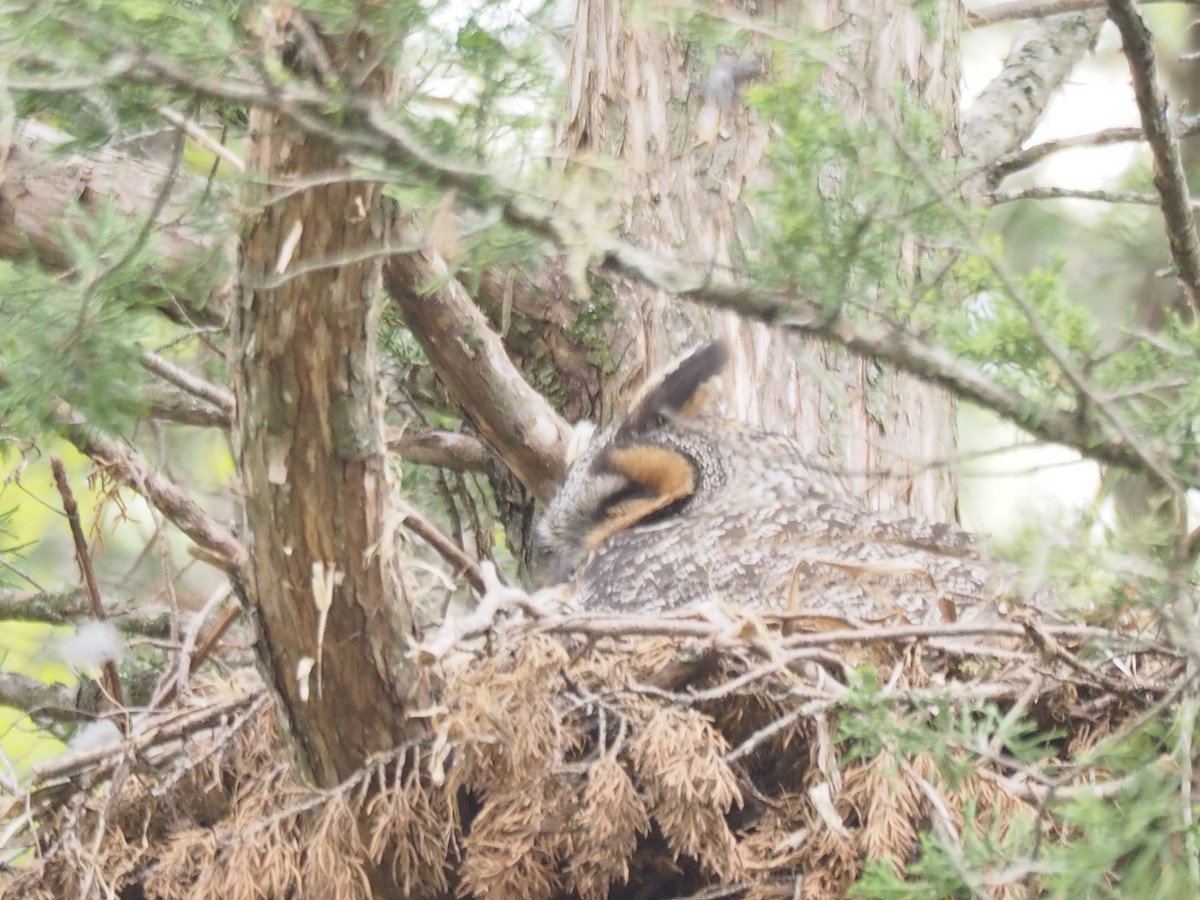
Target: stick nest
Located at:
point(596, 758)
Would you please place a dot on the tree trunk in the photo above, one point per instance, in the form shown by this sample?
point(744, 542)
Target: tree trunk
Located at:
point(642, 93)
point(323, 578)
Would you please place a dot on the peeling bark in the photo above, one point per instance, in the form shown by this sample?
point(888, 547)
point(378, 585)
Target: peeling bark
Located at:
point(319, 519)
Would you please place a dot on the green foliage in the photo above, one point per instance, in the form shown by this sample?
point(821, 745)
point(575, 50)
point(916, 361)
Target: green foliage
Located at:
point(87, 328)
point(993, 331)
point(1121, 843)
point(843, 198)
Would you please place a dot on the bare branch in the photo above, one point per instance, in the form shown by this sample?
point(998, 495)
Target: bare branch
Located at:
point(128, 466)
point(1137, 198)
point(83, 556)
point(171, 405)
point(186, 381)
point(1023, 159)
point(1014, 10)
point(1169, 177)
point(447, 449)
point(470, 360)
point(463, 564)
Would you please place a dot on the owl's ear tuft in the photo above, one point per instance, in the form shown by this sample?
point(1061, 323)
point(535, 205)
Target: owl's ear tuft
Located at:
point(682, 391)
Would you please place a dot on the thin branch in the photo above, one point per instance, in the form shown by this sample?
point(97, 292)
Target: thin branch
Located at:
point(1138, 198)
point(186, 381)
point(130, 467)
point(1040, 9)
point(1023, 159)
point(447, 449)
point(190, 662)
point(1169, 176)
point(464, 565)
point(69, 608)
point(169, 404)
point(83, 556)
point(690, 625)
point(201, 137)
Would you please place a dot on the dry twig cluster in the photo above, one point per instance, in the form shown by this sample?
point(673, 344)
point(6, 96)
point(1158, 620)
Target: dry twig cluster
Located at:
point(579, 757)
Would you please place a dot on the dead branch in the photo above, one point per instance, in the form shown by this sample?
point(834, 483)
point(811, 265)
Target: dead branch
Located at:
point(1024, 158)
point(129, 467)
point(168, 404)
point(1039, 9)
point(462, 564)
point(1137, 198)
point(212, 394)
point(83, 556)
point(446, 449)
point(1169, 176)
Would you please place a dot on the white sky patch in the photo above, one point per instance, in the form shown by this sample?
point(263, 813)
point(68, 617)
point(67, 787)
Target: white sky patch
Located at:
point(1004, 486)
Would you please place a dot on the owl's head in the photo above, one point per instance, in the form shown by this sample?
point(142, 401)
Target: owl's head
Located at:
point(644, 468)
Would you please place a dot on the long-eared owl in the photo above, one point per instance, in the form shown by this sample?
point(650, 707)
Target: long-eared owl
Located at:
point(673, 505)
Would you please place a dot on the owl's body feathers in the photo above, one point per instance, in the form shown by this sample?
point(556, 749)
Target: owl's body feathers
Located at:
point(672, 506)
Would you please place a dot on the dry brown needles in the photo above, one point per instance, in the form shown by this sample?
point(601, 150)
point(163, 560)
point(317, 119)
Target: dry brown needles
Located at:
point(604, 758)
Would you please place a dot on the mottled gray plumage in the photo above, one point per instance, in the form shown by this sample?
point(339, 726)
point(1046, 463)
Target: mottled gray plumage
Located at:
point(672, 506)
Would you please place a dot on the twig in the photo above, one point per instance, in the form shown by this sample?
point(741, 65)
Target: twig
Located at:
point(190, 661)
point(1169, 176)
point(186, 381)
point(1039, 9)
point(1023, 159)
point(1139, 198)
point(201, 137)
point(943, 825)
point(127, 465)
point(112, 681)
point(463, 564)
point(615, 626)
point(96, 761)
